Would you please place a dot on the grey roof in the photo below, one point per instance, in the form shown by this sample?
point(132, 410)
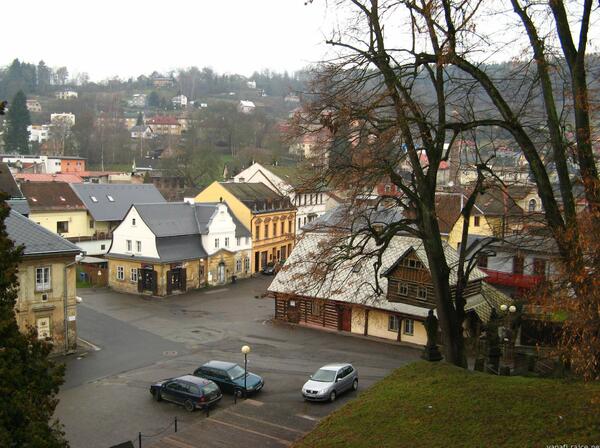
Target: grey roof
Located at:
point(176, 248)
point(344, 217)
point(36, 239)
point(19, 205)
point(8, 185)
point(124, 196)
point(181, 218)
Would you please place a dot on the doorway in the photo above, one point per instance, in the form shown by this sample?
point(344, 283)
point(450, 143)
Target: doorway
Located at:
point(221, 273)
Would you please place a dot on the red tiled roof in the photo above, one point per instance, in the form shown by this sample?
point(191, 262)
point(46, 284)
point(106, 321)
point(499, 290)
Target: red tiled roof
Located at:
point(159, 119)
point(51, 196)
point(44, 177)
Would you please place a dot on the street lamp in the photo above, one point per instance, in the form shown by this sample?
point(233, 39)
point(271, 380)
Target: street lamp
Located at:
point(245, 351)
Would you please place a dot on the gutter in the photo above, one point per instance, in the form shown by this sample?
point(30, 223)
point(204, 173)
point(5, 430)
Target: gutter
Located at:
point(65, 304)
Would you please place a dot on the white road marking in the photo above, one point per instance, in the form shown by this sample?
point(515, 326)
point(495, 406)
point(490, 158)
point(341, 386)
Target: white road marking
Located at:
point(308, 417)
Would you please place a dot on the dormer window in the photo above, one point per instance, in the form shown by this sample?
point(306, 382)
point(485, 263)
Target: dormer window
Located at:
point(110, 198)
point(62, 198)
point(93, 198)
point(34, 199)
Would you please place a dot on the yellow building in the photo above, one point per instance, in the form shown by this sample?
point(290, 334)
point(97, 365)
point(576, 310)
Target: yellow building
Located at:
point(270, 217)
point(56, 207)
point(46, 299)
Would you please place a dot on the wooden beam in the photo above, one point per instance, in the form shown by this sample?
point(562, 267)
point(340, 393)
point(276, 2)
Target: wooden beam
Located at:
point(366, 322)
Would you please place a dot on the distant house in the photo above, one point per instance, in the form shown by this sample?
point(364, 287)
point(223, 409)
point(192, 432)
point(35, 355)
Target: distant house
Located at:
point(69, 178)
point(347, 299)
point(63, 119)
point(160, 249)
point(106, 206)
point(251, 84)
point(34, 106)
point(291, 98)
point(164, 125)
point(137, 100)
point(179, 101)
point(46, 297)
point(143, 131)
point(44, 164)
point(161, 81)
point(39, 133)
point(105, 177)
point(66, 94)
point(246, 107)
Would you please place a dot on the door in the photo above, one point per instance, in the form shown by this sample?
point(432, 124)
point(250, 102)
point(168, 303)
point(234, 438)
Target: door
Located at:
point(256, 261)
point(221, 273)
point(346, 318)
point(263, 259)
point(518, 264)
point(146, 280)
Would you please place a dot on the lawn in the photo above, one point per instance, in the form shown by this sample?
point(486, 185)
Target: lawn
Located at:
point(436, 404)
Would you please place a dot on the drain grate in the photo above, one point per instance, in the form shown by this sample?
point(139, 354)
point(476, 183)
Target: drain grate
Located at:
point(170, 353)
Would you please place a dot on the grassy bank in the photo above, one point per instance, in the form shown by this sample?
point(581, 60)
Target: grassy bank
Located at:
point(435, 405)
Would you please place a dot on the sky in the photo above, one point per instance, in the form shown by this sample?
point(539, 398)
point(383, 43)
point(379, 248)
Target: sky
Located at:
point(130, 37)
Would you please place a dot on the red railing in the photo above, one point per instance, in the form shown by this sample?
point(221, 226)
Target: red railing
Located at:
point(510, 279)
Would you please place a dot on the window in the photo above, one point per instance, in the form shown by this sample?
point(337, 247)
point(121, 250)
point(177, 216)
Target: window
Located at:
point(102, 246)
point(110, 198)
point(394, 323)
point(138, 246)
point(266, 231)
point(62, 227)
point(42, 279)
point(128, 245)
point(238, 265)
point(133, 221)
point(316, 308)
point(91, 223)
point(238, 241)
point(299, 222)
point(304, 221)
point(422, 292)
point(226, 241)
point(282, 227)
point(246, 240)
point(403, 289)
point(290, 226)
point(409, 327)
point(387, 188)
point(274, 229)
point(257, 233)
point(216, 243)
point(246, 264)
point(120, 273)
point(133, 275)
point(532, 205)
point(482, 261)
point(476, 221)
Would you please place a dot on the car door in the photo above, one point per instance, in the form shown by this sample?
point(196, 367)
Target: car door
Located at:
point(339, 381)
point(224, 381)
point(172, 391)
point(348, 377)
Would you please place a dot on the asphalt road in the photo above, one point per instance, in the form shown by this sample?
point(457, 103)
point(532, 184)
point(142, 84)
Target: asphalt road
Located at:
point(106, 401)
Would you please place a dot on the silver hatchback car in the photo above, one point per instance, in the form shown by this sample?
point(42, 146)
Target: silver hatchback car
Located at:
point(327, 383)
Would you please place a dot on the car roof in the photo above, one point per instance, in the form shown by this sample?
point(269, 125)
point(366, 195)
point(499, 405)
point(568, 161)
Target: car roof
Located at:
point(335, 366)
point(222, 365)
point(194, 379)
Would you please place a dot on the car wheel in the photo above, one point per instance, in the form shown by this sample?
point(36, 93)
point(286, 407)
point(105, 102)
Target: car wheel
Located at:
point(332, 396)
point(239, 393)
point(355, 384)
point(158, 396)
point(189, 406)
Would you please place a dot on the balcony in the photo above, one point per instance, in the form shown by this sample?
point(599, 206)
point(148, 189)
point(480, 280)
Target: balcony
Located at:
point(510, 279)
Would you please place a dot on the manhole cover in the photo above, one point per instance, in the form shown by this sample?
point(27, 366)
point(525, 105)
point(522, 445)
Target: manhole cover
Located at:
point(170, 353)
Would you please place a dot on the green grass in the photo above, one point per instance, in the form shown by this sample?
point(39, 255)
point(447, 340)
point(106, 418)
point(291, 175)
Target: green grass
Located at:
point(439, 405)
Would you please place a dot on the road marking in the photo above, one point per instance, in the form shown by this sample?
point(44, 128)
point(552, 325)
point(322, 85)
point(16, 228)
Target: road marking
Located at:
point(95, 347)
point(264, 421)
point(177, 442)
point(253, 402)
point(214, 291)
point(284, 442)
point(308, 417)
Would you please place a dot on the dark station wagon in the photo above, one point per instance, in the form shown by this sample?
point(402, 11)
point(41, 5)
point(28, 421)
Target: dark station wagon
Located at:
point(230, 377)
point(188, 390)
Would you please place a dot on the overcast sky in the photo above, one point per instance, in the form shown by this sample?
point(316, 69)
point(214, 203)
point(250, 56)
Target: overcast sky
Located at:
point(130, 37)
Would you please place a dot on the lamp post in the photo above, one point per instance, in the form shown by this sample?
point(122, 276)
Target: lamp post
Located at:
point(507, 337)
point(245, 351)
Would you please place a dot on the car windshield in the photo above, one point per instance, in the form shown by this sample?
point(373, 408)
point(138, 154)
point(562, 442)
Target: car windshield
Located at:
point(235, 372)
point(326, 376)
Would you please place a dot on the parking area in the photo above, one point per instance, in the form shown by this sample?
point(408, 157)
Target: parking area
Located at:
point(140, 340)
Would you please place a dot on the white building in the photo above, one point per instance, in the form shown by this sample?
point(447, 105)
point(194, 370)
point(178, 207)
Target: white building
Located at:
point(137, 100)
point(251, 84)
point(63, 119)
point(246, 107)
point(34, 106)
point(179, 101)
point(310, 203)
point(66, 95)
point(38, 133)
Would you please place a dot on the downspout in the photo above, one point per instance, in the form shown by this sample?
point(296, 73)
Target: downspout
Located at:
point(65, 304)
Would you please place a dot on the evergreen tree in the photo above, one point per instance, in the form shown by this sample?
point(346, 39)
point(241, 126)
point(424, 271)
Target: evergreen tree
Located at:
point(44, 77)
point(140, 119)
point(29, 381)
point(16, 137)
point(153, 99)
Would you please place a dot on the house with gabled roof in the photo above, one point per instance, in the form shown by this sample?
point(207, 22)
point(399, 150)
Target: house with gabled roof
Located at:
point(347, 298)
point(269, 215)
point(46, 297)
point(165, 248)
point(107, 205)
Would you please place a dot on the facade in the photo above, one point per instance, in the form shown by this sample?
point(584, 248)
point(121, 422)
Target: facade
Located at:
point(246, 107)
point(164, 125)
point(34, 106)
point(165, 248)
point(347, 299)
point(107, 205)
point(270, 215)
point(179, 101)
point(142, 131)
point(137, 100)
point(66, 95)
point(71, 164)
point(39, 133)
point(56, 207)
point(63, 119)
point(287, 181)
point(47, 283)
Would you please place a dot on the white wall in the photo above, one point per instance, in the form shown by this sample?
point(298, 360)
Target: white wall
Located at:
point(94, 247)
point(138, 232)
point(221, 226)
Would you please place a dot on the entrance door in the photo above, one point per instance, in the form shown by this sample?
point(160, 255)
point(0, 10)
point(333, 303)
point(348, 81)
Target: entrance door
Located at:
point(346, 318)
point(256, 261)
point(263, 259)
point(146, 280)
point(175, 280)
point(221, 273)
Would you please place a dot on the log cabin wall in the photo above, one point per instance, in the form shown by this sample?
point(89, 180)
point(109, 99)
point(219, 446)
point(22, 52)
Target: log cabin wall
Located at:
point(308, 311)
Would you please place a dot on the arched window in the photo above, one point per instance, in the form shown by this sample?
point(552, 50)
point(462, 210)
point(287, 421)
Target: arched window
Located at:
point(532, 205)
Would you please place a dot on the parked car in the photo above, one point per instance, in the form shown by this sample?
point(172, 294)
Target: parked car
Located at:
point(330, 381)
point(230, 377)
point(269, 269)
point(188, 390)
